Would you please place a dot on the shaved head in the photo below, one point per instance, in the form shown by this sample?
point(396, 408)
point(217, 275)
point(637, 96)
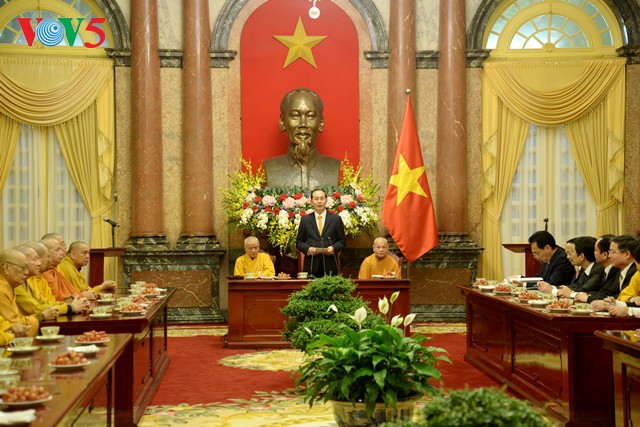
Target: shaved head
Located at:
point(33, 259)
point(56, 251)
point(79, 253)
point(13, 267)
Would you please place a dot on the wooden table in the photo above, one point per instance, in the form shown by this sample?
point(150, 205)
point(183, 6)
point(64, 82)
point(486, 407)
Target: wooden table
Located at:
point(144, 362)
point(625, 348)
point(73, 391)
point(255, 320)
point(551, 359)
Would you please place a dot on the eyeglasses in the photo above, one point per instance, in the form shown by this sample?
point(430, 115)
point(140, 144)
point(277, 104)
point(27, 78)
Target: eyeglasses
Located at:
point(20, 266)
point(613, 251)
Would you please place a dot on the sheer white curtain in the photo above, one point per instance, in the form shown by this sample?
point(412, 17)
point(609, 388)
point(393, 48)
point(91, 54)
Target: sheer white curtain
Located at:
point(39, 196)
point(547, 184)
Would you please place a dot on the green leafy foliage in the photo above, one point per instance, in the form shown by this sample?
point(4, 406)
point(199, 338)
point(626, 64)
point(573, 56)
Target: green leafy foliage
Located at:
point(482, 407)
point(308, 313)
point(371, 365)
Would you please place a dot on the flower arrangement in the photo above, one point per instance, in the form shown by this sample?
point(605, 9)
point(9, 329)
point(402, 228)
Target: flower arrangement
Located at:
point(276, 211)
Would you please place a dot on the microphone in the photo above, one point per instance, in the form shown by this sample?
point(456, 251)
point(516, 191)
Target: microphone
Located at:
point(546, 223)
point(111, 222)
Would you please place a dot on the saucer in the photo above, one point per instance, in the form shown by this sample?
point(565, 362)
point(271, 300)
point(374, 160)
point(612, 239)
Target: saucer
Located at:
point(50, 337)
point(23, 350)
point(100, 315)
point(8, 372)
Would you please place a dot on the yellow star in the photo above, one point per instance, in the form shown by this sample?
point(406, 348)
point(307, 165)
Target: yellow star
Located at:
point(300, 45)
point(407, 180)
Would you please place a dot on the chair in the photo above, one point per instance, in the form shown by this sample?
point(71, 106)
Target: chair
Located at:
point(273, 257)
point(398, 259)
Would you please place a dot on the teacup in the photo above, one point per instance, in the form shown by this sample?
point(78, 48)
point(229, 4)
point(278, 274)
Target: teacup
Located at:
point(303, 275)
point(140, 282)
point(107, 296)
point(21, 342)
point(249, 275)
point(582, 306)
point(5, 363)
point(548, 297)
point(101, 310)
point(50, 331)
point(9, 381)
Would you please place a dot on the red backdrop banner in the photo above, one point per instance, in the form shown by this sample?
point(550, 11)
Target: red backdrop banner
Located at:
point(265, 81)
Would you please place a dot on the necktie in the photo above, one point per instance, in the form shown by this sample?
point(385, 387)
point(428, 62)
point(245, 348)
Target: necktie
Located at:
point(621, 280)
point(320, 224)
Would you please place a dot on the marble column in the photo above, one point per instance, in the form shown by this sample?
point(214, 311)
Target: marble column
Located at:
point(147, 216)
point(197, 136)
point(451, 170)
point(402, 70)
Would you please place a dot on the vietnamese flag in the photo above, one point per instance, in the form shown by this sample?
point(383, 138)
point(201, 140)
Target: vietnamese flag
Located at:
point(407, 211)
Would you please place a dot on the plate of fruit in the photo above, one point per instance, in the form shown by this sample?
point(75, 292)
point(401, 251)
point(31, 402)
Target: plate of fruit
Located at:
point(559, 306)
point(132, 309)
point(93, 337)
point(69, 360)
point(25, 396)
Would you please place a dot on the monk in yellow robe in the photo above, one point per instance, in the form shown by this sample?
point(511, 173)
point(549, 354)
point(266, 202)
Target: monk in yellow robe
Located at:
point(76, 258)
point(13, 272)
point(254, 261)
point(35, 295)
point(60, 286)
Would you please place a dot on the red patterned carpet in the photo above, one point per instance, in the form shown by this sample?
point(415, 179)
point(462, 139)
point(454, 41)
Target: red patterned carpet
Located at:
point(201, 371)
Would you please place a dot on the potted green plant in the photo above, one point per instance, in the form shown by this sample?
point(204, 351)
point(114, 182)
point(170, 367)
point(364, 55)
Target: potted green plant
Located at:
point(371, 374)
point(481, 407)
point(309, 314)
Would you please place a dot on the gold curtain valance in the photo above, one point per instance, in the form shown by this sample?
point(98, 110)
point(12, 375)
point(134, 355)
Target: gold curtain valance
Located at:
point(571, 88)
point(49, 91)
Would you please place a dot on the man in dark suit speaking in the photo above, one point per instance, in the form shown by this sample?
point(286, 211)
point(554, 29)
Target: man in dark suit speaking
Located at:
point(320, 237)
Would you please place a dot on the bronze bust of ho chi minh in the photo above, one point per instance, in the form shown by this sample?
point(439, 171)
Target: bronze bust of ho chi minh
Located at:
point(301, 117)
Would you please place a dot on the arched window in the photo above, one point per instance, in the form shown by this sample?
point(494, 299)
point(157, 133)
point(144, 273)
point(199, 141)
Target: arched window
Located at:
point(547, 182)
point(39, 194)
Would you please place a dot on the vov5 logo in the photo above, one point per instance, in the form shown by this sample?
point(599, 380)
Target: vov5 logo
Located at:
point(50, 32)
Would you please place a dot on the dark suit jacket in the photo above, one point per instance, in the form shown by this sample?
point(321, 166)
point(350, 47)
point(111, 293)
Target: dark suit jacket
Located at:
point(611, 287)
point(589, 283)
point(309, 236)
point(559, 271)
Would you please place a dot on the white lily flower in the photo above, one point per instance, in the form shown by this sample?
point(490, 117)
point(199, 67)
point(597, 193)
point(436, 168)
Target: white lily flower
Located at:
point(308, 330)
point(383, 305)
point(333, 307)
point(409, 319)
point(359, 315)
point(394, 296)
point(396, 320)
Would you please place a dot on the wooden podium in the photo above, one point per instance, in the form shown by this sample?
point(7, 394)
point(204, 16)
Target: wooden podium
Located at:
point(531, 266)
point(96, 263)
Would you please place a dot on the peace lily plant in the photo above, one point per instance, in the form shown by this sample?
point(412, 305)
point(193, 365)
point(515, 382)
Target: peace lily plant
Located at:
point(377, 365)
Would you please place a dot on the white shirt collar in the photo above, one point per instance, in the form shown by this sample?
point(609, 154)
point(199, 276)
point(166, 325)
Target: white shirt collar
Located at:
point(587, 270)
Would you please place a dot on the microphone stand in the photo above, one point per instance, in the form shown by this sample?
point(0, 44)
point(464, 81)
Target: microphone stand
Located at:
point(335, 258)
point(324, 266)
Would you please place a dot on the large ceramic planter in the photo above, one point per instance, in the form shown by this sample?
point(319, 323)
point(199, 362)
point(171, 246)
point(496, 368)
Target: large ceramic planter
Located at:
point(348, 415)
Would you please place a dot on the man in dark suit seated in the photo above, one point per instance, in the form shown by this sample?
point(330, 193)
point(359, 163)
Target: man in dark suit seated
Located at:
point(320, 238)
point(581, 253)
point(556, 269)
point(621, 253)
point(609, 274)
